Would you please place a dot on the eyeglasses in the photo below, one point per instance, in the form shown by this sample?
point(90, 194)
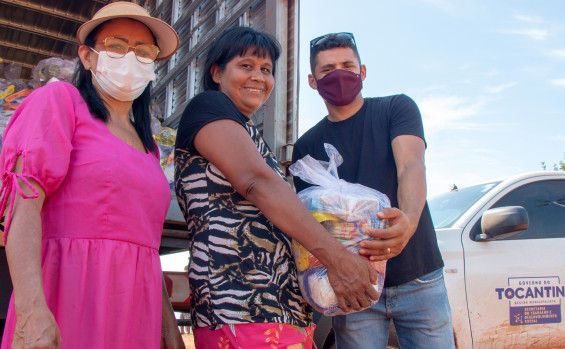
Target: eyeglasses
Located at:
point(117, 48)
point(321, 39)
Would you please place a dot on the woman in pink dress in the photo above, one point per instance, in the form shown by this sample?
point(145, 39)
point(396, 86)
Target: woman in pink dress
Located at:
point(85, 198)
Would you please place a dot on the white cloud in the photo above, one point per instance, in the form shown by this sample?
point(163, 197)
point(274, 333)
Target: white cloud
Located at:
point(557, 82)
point(557, 53)
point(433, 88)
point(447, 112)
point(492, 73)
point(530, 19)
point(456, 163)
point(532, 33)
point(500, 88)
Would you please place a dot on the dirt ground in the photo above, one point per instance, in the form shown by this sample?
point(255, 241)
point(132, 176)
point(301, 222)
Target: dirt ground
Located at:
point(188, 341)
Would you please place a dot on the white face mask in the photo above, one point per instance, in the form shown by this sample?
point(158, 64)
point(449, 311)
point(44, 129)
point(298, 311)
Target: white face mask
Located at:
point(123, 78)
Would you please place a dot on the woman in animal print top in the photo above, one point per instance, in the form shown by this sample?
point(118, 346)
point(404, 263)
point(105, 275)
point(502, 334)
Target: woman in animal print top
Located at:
point(242, 214)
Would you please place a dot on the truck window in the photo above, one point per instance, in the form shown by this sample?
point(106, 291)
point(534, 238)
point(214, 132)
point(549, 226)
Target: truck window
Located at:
point(545, 203)
point(447, 208)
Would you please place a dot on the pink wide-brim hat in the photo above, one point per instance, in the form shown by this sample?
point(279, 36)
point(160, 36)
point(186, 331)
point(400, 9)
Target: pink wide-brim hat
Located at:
point(166, 36)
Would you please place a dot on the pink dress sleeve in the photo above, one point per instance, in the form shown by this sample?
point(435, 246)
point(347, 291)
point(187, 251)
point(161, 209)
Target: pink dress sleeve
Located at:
point(40, 132)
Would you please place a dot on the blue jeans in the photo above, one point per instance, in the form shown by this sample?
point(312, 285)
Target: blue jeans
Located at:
point(420, 312)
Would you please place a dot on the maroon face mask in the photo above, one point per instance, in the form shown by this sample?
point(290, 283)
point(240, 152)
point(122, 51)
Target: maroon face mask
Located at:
point(340, 87)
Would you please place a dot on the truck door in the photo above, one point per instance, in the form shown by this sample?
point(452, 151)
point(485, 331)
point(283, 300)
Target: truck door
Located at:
point(515, 286)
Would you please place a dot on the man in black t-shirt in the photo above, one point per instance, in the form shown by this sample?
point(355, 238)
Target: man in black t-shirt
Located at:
point(382, 144)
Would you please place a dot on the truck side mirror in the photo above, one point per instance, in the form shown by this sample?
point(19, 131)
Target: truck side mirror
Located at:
point(503, 222)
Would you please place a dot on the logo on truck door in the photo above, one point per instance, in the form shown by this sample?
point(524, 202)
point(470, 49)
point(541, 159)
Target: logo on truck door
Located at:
point(533, 300)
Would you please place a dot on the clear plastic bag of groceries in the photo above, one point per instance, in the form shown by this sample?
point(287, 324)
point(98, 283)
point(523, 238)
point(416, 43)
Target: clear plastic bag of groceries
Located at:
point(346, 210)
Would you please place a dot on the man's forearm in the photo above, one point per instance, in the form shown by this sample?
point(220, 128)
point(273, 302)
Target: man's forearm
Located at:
point(412, 191)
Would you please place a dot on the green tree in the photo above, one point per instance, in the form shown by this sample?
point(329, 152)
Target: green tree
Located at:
point(556, 167)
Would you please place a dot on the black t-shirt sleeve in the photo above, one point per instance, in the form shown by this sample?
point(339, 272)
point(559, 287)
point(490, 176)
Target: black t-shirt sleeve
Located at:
point(405, 118)
point(203, 109)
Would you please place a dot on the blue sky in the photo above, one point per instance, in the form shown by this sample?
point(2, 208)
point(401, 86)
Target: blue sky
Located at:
point(488, 76)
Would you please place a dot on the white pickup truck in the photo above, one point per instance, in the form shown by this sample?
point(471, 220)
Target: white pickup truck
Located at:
point(503, 244)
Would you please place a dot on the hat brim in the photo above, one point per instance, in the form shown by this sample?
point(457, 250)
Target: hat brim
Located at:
point(166, 36)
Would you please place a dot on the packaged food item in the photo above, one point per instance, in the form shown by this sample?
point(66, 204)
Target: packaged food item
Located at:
point(170, 175)
point(53, 69)
point(346, 210)
point(12, 93)
point(17, 97)
point(155, 112)
point(6, 89)
point(155, 126)
point(165, 138)
point(165, 141)
point(13, 71)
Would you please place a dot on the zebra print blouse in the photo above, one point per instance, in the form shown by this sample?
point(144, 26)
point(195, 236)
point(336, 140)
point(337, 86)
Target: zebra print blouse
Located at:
point(241, 268)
